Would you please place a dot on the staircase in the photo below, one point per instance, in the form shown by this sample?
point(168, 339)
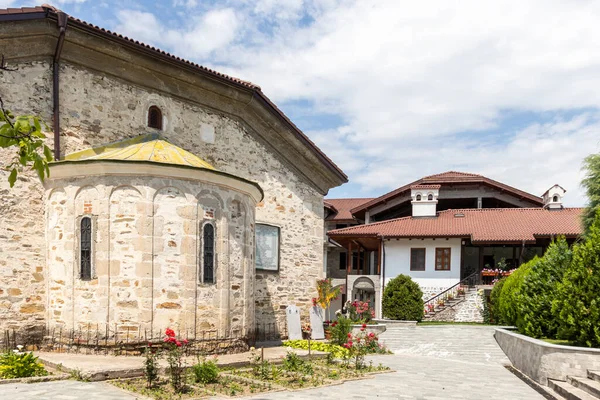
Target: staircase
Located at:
point(448, 309)
point(578, 388)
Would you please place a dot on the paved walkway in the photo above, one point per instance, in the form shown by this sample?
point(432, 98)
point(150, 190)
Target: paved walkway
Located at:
point(432, 363)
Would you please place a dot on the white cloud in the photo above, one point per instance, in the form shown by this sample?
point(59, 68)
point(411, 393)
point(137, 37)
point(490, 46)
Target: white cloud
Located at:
point(6, 3)
point(415, 83)
point(202, 34)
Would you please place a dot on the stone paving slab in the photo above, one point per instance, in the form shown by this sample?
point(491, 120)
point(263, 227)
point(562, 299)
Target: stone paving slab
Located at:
point(65, 390)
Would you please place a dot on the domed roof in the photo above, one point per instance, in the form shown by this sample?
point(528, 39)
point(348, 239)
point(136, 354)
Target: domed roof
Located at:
point(148, 147)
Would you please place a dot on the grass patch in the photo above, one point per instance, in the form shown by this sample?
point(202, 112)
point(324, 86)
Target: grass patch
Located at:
point(560, 342)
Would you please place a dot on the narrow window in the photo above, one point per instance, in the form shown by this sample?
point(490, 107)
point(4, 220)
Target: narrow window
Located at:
point(417, 259)
point(430, 197)
point(85, 256)
point(208, 254)
point(442, 259)
point(343, 260)
point(155, 117)
point(555, 199)
point(418, 197)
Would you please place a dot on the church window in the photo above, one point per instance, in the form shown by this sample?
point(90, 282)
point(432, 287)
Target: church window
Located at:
point(208, 253)
point(155, 117)
point(267, 239)
point(85, 256)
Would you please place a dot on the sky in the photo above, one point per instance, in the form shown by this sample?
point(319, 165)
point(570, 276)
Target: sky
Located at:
point(396, 90)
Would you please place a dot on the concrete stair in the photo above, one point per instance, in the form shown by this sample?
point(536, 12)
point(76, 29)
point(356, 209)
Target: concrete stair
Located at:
point(578, 388)
point(448, 304)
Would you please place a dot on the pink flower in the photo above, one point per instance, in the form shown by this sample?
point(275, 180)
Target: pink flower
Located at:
point(349, 335)
point(371, 335)
point(185, 341)
point(177, 343)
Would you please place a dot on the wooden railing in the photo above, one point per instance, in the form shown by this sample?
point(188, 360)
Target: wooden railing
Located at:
point(439, 300)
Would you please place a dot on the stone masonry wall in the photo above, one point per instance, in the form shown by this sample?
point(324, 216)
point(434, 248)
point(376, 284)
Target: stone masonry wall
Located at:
point(97, 109)
point(147, 240)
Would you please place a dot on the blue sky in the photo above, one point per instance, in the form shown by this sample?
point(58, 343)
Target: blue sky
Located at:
point(395, 90)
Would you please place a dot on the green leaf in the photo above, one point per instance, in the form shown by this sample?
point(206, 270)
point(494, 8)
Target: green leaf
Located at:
point(48, 153)
point(12, 178)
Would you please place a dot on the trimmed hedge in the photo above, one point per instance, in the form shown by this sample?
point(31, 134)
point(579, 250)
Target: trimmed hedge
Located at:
point(538, 290)
point(402, 299)
point(577, 306)
point(508, 301)
point(494, 301)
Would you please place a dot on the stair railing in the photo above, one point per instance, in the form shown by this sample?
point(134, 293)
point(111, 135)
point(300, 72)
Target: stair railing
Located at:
point(439, 300)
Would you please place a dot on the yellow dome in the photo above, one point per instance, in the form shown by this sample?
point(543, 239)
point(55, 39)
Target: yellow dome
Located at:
point(142, 148)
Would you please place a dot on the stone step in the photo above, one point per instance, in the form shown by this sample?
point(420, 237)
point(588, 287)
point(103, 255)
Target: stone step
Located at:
point(594, 375)
point(585, 384)
point(569, 391)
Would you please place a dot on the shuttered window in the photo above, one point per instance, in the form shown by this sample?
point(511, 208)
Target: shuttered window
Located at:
point(417, 259)
point(442, 259)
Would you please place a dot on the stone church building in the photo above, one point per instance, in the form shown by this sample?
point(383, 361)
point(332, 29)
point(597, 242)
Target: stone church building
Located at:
point(179, 196)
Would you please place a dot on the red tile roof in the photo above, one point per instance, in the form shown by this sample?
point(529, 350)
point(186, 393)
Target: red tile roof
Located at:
point(19, 13)
point(448, 178)
point(425, 187)
point(481, 225)
point(342, 208)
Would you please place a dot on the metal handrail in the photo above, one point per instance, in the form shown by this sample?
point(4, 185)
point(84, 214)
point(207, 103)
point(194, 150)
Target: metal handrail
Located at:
point(450, 293)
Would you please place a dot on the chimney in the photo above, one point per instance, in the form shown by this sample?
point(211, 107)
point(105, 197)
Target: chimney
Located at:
point(553, 197)
point(424, 200)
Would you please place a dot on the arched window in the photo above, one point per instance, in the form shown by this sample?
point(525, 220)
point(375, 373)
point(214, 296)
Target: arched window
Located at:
point(85, 249)
point(418, 198)
point(555, 199)
point(430, 197)
point(208, 253)
point(155, 117)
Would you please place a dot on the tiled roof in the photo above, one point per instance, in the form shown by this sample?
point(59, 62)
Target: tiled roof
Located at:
point(343, 207)
point(19, 13)
point(481, 225)
point(425, 187)
point(448, 178)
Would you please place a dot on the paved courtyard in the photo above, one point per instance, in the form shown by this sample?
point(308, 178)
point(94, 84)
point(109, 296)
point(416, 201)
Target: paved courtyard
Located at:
point(431, 362)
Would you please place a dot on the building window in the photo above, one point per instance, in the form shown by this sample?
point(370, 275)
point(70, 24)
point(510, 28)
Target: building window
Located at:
point(430, 197)
point(343, 260)
point(208, 253)
point(267, 247)
point(442, 259)
point(555, 199)
point(417, 259)
point(155, 118)
point(418, 197)
point(85, 249)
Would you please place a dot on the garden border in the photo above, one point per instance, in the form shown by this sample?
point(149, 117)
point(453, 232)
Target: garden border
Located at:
point(541, 361)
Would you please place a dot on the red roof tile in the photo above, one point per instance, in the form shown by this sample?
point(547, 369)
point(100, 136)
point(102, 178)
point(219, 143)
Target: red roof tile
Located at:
point(342, 207)
point(425, 187)
point(481, 225)
point(448, 178)
point(267, 102)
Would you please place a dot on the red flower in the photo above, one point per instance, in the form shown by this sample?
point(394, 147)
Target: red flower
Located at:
point(371, 335)
point(349, 335)
point(149, 344)
point(185, 341)
point(364, 326)
point(177, 343)
point(170, 332)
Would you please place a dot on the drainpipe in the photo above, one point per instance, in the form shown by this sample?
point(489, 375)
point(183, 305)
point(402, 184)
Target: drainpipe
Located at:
point(62, 25)
point(382, 284)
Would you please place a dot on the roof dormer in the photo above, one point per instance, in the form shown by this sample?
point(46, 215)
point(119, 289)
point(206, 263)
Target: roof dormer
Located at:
point(424, 200)
point(553, 197)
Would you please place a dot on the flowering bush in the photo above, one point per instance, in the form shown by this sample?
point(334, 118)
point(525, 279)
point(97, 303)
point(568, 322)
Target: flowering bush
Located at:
point(338, 330)
point(18, 364)
point(151, 364)
point(175, 351)
point(360, 311)
point(362, 344)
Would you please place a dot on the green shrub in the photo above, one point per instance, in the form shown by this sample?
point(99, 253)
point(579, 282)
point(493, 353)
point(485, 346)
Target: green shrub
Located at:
point(538, 290)
point(508, 301)
point(206, 371)
point(339, 330)
point(494, 313)
point(293, 363)
point(577, 306)
point(403, 299)
point(20, 365)
point(335, 350)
